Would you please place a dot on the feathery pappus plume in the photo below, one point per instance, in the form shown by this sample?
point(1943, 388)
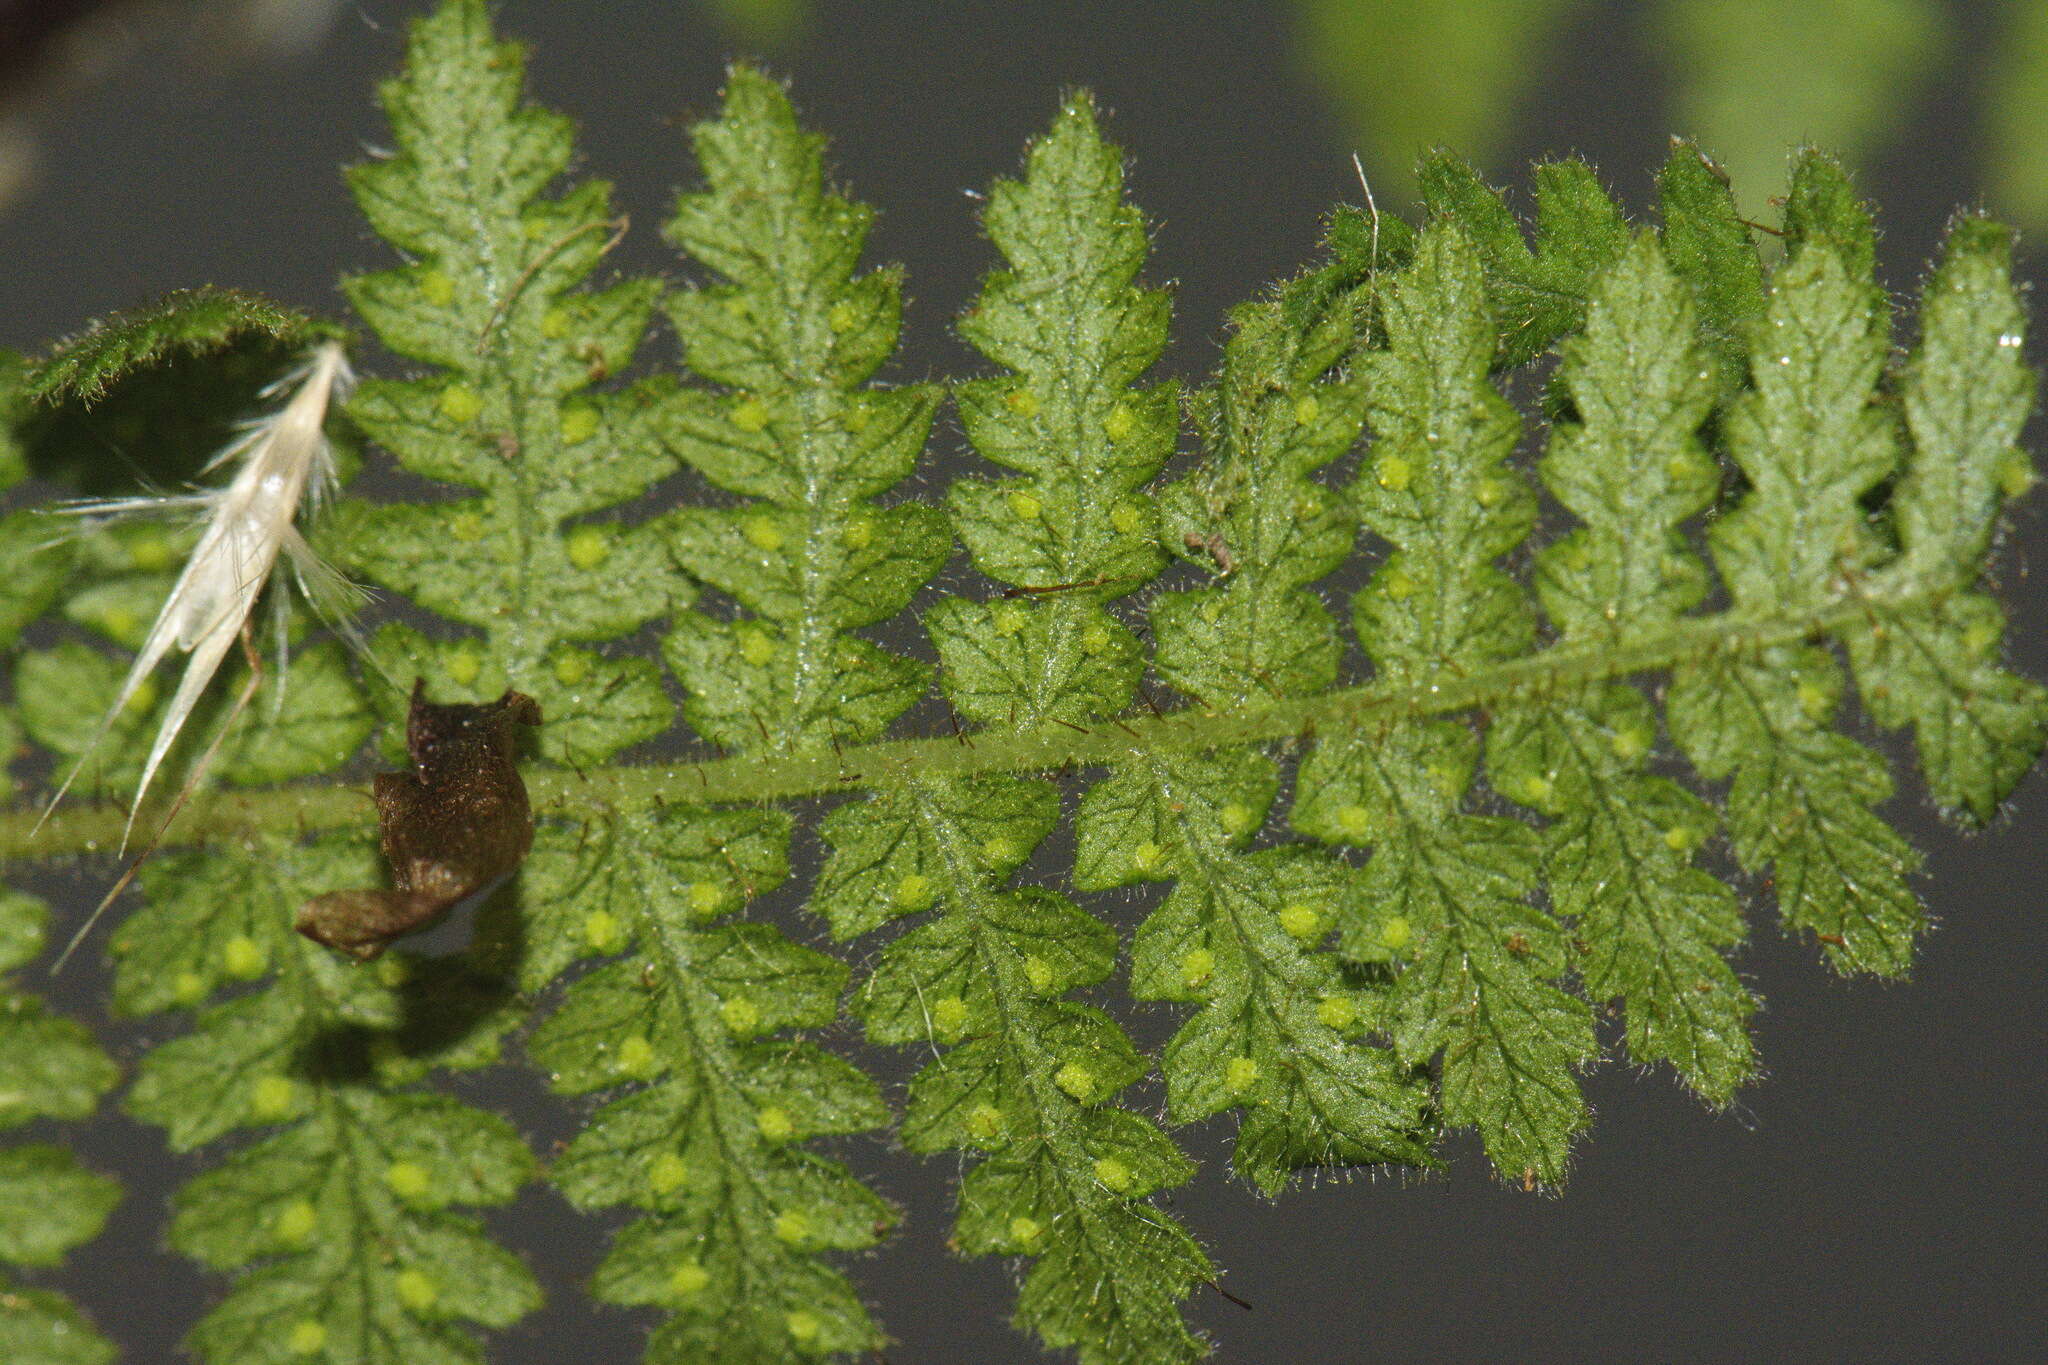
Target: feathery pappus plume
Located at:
point(283, 464)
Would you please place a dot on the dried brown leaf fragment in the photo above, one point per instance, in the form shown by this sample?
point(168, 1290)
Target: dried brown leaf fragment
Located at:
point(452, 826)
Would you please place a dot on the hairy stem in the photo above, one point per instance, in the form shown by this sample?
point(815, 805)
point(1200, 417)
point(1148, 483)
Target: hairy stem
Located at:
point(752, 778)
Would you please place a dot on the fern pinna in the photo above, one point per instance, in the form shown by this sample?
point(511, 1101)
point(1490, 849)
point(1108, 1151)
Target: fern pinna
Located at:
point(1430, 747)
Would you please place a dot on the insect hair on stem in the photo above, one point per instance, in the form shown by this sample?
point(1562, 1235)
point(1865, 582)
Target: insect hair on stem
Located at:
point(1373, 206)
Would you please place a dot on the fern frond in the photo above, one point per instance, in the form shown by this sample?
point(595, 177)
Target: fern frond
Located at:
point(1278, 1022)
point(793, 335)
point(50, 1066)
point(189, 321)
point(737, 1211)
point(1537, 293)
point(1708, 245)
point(1074, 335)
point(1500, 827)
point(1965, 396)
point(1811, 441)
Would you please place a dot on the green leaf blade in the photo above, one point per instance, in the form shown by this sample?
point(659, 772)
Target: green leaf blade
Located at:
point(1978, 727)
point(49, 1203)
point(713, 1147)
point(1807, 436)
point(794, 335)
point(38, 1327)
point(192, 321)
point(1812, 441)
point(357, 1170)
point(1631, 467)
point(1713, 250)
point(1075, 334)
point(1026, 1079)
point(1802, 802)
point(1618, 863)
point(50, 1067)
point(1619, 850)
point(1445, 899)
point(1446, 896)
point(1540, 294)
point(1436, 485)
point(491, 298)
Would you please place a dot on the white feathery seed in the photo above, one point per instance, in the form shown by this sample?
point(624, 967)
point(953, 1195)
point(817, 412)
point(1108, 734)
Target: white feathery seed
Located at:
point(283, 464)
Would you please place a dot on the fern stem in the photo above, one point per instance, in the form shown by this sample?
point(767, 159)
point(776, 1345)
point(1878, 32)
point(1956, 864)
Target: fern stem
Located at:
point(753, 778)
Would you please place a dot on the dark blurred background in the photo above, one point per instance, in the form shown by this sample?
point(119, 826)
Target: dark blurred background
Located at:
point(1876, 1197)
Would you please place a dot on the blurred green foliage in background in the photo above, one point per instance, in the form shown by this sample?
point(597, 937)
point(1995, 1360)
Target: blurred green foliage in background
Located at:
point(1751, 78)
point(769, 26)
point(2015, 110)
point(1407, 75)
point(1748, 79)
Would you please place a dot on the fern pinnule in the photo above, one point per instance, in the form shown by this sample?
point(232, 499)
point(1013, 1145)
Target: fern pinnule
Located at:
point(741, 1217)
point(1621, 849)
point(1278, 1025)
point(1027, 1079)
point(1447, 893)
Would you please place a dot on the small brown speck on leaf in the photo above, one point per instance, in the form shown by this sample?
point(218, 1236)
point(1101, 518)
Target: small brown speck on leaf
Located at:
point(453, 825)
point(1215, 546)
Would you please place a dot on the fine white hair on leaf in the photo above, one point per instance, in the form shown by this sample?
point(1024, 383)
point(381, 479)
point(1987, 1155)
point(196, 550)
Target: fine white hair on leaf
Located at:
point(282, 463)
